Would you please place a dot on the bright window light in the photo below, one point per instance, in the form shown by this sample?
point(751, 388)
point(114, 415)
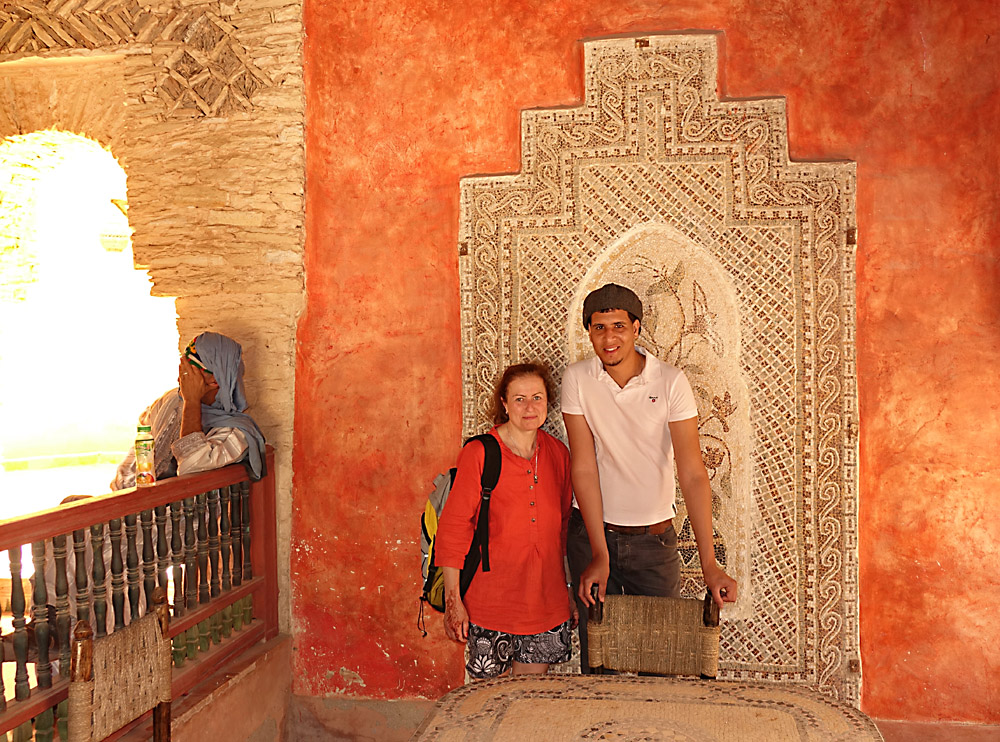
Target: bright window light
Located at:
point(84, 347)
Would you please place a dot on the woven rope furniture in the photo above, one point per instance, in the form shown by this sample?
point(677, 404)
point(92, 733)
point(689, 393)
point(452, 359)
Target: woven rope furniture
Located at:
point(117, 678)
point(665, 636)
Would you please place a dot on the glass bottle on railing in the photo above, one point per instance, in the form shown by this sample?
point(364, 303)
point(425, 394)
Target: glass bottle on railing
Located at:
point(145, 468)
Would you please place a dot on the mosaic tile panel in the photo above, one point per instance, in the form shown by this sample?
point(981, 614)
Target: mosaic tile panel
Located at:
point(745, 264)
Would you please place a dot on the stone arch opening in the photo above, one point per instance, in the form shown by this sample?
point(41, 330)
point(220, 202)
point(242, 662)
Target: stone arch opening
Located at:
point(83, 345)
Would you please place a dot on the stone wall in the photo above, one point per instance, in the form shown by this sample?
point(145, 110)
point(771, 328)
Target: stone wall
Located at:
point(202, 103)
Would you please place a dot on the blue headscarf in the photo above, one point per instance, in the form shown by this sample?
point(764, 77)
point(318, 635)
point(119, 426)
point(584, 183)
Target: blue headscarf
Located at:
point(223, 358)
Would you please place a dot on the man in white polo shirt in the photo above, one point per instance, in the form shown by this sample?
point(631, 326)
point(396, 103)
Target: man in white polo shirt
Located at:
point(629, 418)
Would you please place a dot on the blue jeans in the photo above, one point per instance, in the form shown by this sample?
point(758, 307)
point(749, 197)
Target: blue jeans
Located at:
point(640, 565)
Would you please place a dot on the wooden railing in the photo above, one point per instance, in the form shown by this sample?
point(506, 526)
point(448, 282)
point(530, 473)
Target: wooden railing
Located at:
point(208, 539)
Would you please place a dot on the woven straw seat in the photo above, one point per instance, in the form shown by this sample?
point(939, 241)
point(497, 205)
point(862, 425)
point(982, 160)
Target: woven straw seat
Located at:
point(665, 636)
point(117, 678)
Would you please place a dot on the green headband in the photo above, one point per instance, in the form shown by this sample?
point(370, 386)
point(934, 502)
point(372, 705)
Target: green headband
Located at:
point(191, 353)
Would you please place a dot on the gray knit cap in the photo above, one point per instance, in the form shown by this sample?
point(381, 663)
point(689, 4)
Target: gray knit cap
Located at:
point(611, 296)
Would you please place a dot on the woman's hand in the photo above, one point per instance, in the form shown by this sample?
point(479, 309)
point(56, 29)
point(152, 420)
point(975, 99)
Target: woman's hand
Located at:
point(456, 619)
point(574, 612)
point(191, 381)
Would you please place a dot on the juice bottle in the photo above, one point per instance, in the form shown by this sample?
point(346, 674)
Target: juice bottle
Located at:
point(145, 468)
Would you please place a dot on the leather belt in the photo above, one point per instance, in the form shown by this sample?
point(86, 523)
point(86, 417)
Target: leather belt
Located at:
point(655, 529)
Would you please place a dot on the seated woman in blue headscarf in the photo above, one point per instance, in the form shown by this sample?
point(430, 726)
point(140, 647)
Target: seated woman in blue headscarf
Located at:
point(201, 425)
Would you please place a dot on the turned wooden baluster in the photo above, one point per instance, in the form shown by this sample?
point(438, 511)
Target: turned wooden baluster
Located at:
point(132, 565)
point(200, 508)
point(236, 529)
point(177, 576)
point(238, 615)
point(22, 688)
point(191, 637)
point(162, 552)
point(148, 557)
point(204, 635)
point(40, 599)
point(80, 575)
point(177, 558)
point(100, 588)
point(62, 603)
point(45, 725)
point(226, 539)
point(62, 711)
point(117, 572)
point(213, 542)
point(216, 626)
point(248, 609)
point(190, 559)
point(245, 498)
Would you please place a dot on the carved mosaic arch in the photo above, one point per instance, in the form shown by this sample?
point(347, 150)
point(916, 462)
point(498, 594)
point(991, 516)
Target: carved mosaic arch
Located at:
point(745, 264)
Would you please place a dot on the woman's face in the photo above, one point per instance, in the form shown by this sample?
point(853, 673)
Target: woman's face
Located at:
point(526, 402)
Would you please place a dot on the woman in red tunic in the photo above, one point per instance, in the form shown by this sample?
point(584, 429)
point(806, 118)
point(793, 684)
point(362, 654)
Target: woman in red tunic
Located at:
point(519, 614)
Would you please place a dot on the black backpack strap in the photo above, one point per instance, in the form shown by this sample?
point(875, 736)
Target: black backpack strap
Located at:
point(479, 553)
point(488, 481)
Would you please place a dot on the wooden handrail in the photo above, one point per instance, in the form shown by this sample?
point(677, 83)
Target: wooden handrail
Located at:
point(259, 571)
point(67, 518)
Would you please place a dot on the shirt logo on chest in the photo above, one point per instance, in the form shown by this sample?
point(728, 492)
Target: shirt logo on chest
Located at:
point(653, 398)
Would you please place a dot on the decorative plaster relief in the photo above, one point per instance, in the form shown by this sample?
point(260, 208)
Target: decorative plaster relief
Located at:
point(745, 264)
point(204, 69)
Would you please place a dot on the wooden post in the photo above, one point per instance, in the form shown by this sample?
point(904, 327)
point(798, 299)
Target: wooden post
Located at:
point(200, 510)
point(100, 588)
point(82, 661)
point(40, 599)
point(265, 548)
point(22, 688)
point(213, 542)
point(80, 577)
point(247, 562)
point(117, 572)
point(62, 710)
point(177, 558)
point(204, 635)
point(225, 527)
point(132, 565)
point(62, 604)
point(190, 560)
point(192, 642)
point(161, 712)
point(236, 530)
point(148, 556)
point(162, 550)
point(45, 726)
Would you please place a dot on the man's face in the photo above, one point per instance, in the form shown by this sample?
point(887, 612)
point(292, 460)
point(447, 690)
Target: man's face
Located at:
point(613, 336)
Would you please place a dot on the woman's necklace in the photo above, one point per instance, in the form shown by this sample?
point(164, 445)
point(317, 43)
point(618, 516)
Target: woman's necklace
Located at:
point(534, 468)
point(509, 440)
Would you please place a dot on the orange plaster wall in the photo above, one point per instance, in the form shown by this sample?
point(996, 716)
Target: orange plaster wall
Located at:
point(406, 96)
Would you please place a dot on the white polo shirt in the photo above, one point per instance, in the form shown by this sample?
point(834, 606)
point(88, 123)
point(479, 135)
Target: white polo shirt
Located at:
point(635, 457)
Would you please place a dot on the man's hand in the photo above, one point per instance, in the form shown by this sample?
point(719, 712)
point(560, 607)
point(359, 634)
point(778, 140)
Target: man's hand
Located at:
point(456, 620)
point(722, 586)
point(191, 381)
point(596, 573)
point(574, 612)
